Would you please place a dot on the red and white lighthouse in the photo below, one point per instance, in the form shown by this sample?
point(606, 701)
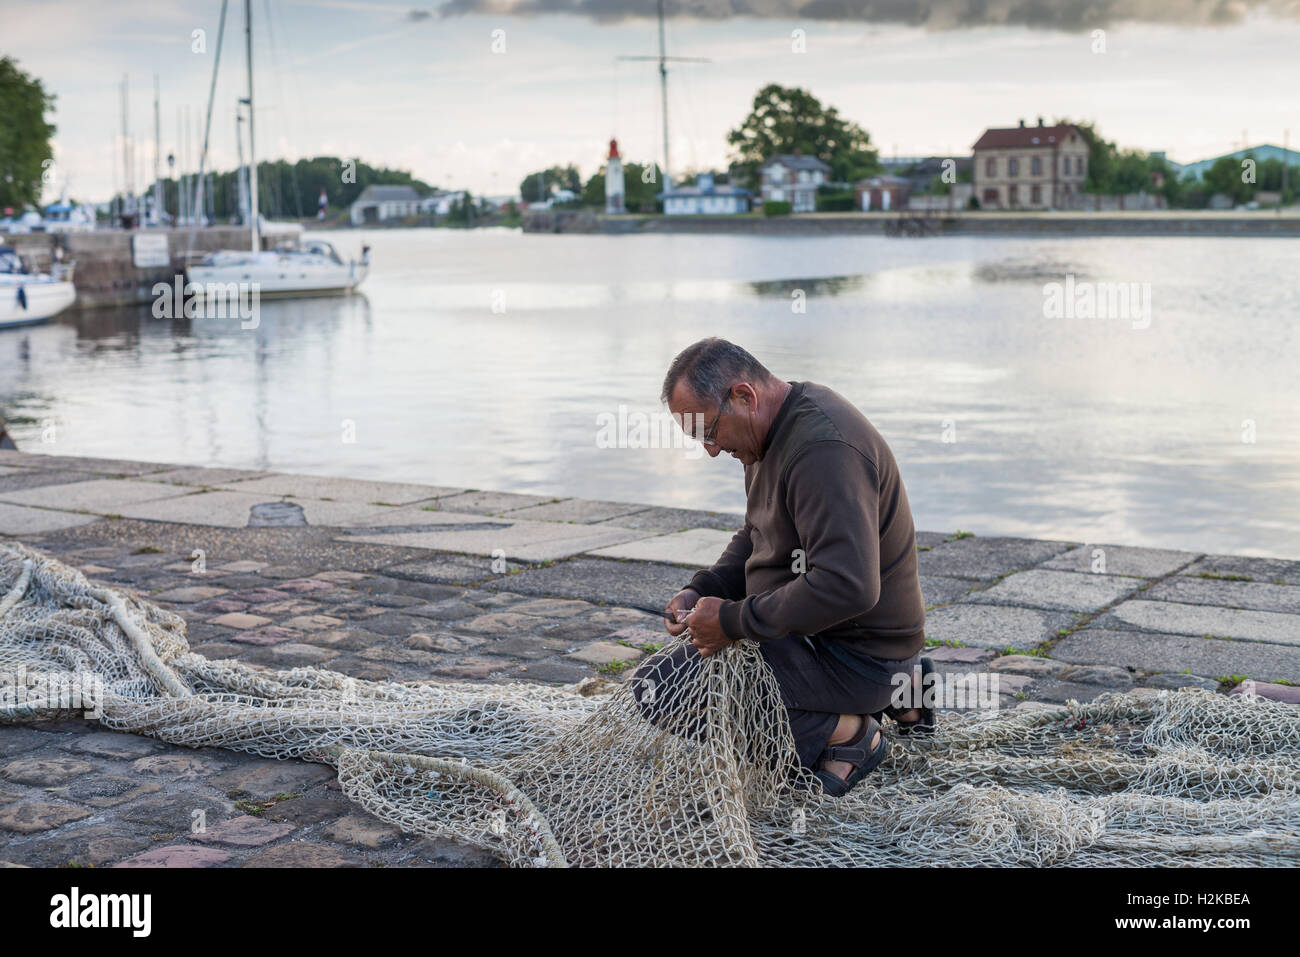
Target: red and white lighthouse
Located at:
point(614, 203)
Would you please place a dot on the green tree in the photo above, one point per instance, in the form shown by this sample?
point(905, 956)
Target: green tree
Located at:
point(538, 187)
point(784, 119)
point(1269, 176)
point(638, 196)
point(293, 189)
point(24, 135)
point(1226, 176)
point(1114, 171)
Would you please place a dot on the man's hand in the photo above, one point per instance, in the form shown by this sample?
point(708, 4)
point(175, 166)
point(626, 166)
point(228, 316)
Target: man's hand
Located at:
point(684, 600)
point(706, 631)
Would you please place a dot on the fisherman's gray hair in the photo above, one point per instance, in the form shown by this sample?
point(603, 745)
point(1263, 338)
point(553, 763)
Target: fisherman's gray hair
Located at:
point(711, 367)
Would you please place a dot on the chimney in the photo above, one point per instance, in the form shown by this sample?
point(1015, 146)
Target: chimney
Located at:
point(1022, 124)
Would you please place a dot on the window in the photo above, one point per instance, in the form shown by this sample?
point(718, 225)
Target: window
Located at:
point(1013, 167)
point(1078, 165)
point(1014, 195)
point(1036, 166)
point(1036, 194)
point(990, 167)
point(990, 197)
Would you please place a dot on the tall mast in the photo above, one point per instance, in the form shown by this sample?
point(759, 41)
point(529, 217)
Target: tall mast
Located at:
point(180, 168)
point(254, 226)
point(663, 93)
point(157, 155)
point(126, 157)
point(663, 58)
point(201, 201)
point(242, 175)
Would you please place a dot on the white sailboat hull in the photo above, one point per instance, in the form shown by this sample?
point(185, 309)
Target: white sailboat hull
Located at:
point(44, 298)
point(275, 274)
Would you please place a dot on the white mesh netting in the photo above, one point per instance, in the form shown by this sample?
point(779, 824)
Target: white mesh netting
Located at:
point(700, 771)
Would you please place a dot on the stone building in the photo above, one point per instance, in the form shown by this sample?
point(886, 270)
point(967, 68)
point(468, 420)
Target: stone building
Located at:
point(793, 178)
point(1030, 167)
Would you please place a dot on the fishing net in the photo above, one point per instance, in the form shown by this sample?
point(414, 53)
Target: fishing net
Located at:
point(695, 767)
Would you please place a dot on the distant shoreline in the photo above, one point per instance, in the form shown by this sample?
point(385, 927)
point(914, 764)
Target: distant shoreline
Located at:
point(1045, 224)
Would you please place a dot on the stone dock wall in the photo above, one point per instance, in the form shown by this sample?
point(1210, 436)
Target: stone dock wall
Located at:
point(925, 224)
point(105, 274)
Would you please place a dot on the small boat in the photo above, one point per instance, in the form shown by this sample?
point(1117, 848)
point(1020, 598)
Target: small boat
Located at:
point(27, 297)
point(313, 268)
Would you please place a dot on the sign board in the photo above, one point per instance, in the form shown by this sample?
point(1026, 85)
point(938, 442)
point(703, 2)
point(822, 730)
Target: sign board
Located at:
point(149, 251)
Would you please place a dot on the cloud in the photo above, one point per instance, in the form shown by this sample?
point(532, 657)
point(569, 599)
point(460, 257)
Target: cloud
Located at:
point(1065, 15)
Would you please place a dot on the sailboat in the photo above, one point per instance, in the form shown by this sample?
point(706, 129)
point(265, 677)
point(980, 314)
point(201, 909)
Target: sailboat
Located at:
point(27, 297)
point(314, 268)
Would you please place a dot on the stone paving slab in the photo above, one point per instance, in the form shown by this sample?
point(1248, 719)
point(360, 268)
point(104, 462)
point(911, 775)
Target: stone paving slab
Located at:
point(1054, 691)
point(1275, 570)
point(952, 654)
point(1056, 591)
point(228, 509)
point(525, 541)
point(1122, 560)
point(600, 580)
point(696, 548)
point(204, 476)
point(358, 491)
point(453, 569)
point(120, 467)
point(658, 520)
point(995, 626)
point(1180, 619)
point(986, 559)
point(1176, 682)
point(17, 520)
point(491, 503)
point(415, 518)
point(936, 590)
point(1174, 653)
point(1257, 596)
point(1288, 694)
point(582, 510)
point(101, 496)
point(17, 479)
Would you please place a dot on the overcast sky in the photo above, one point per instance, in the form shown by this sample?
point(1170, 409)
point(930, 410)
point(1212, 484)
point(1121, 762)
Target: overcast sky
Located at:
point(418, 86)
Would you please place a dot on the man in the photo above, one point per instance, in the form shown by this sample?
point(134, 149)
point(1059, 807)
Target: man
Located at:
point(823, 575)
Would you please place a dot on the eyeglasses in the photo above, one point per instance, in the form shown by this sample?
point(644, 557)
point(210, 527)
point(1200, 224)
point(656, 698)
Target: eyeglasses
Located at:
point(708, 433)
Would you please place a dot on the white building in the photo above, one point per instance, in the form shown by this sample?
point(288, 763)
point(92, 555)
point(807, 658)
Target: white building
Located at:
point(440, 202)
point(376, 204)
point(614, 189)
point(793, 178)
point(705, 199)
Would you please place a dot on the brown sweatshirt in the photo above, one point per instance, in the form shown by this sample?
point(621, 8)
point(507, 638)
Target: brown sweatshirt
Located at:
point(828, 545)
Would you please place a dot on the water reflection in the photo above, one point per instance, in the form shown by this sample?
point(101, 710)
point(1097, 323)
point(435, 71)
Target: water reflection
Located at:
point(825, 286)
point(1029, 271)
point(485, 359)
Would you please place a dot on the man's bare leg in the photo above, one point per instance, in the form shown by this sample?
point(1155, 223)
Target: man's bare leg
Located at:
point(848, 726)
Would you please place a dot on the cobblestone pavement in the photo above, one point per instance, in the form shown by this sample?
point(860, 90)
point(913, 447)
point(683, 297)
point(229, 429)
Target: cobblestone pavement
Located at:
point(405, 582)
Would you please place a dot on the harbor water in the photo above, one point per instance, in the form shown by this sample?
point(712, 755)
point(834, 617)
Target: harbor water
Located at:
point(526, 362)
